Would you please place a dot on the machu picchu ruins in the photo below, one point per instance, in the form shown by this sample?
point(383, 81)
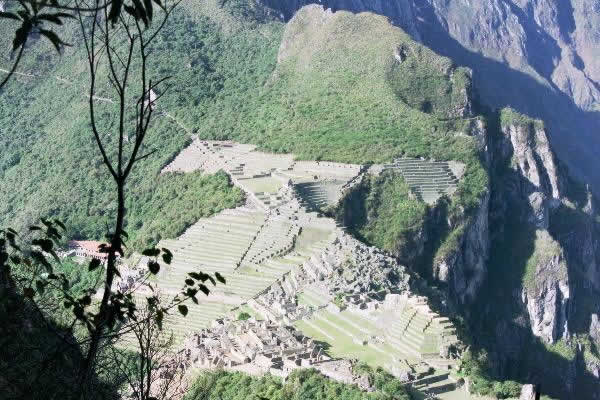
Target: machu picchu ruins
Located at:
point(297, 276)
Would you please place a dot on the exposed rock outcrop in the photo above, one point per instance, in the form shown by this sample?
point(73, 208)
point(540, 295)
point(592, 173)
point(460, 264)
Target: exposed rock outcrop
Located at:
point(547, 296)
point(362, 269)
point(544, 233)
point(528, 188)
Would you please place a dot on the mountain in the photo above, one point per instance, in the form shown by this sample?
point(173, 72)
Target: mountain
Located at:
point(534, 235)
point(533, 56)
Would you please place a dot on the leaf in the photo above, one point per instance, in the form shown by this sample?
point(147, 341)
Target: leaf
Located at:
point(54, 18)
point(115, 11)
point(167, 256)
point(55, 256)
point(63, 15)
point(56, 221)
point(21, 34)
point(211, 279)
point(152, 301)
point(28, 292)
point(204, 289)
point(131, 11)
point(9, 16)
point(45, 244)
point(53, 37)
point(183, 310)
point(141, 12)
point(194, 275)
point(159, 3)
point(50, 18)
point(39, 257)
point(40, 286)
point(148, 6)
point(94, 263)
point(189, 282)
point(160, 315)
point(86, 300)
point(78, 311)
point(220, 278)
point(154, 267)
point(151, 252)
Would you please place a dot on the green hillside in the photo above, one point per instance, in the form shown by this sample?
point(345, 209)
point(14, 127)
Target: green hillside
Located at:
point(335, 94)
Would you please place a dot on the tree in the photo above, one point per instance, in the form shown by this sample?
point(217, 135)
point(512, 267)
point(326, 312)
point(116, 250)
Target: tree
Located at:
point(33, 15)
point(152, 371)
point(116, 35)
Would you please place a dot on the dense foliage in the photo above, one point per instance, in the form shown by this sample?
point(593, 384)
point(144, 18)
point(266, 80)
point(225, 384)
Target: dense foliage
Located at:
point(474, 367)
point(384, 212)
point(304, 384)
point(49, 164)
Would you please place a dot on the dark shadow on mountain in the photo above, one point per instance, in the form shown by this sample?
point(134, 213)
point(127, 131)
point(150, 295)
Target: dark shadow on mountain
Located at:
point(39, 359)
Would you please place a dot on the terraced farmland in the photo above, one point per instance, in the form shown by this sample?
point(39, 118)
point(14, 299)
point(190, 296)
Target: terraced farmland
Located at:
point(276, 237)
point(429, 180)
point(251, 248)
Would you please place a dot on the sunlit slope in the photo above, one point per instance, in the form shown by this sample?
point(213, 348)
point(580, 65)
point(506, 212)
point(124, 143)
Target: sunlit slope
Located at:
point(353, 88)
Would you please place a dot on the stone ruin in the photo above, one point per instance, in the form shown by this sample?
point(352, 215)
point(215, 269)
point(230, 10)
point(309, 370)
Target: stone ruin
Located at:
point(255, 248)
point(259, 345)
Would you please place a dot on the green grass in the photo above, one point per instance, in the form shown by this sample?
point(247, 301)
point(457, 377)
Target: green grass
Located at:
point(343, 345)
point(393, 215)
point(330, 98)
point(510, 117)
point(562, 349)
point(267, 185)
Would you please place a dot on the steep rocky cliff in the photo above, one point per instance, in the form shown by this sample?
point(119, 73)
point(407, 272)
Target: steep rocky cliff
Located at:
point(541, 288)
point(529, 188)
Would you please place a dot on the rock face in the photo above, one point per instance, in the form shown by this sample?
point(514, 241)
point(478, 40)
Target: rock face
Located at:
point(530, 190)
point(465, 269)
point(527, 392)
point(545, 220)
point(547, 297)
